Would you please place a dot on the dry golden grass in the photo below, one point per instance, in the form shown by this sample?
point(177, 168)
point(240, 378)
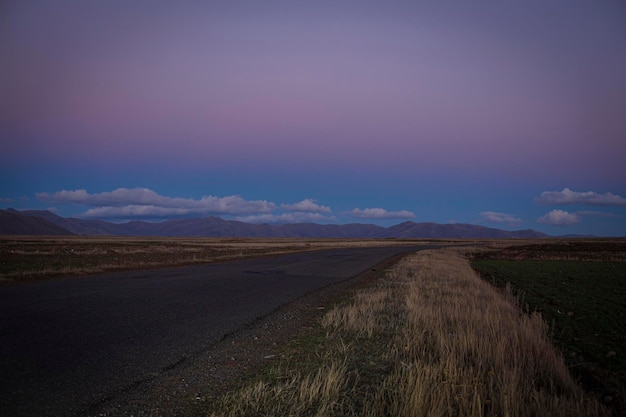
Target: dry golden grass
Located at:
point(431, 339)
point(470, 352)
point(294, 396)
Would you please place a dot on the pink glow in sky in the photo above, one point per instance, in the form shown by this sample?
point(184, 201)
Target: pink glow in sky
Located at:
point(531, 96)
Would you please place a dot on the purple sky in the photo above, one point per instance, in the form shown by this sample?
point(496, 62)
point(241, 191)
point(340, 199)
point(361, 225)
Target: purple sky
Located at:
point(504, 115)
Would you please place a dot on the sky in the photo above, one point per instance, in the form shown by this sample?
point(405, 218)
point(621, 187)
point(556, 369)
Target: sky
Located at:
point(496, 113)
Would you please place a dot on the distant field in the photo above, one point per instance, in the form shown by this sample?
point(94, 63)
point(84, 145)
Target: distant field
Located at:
point(580, 290)
point(35, 258)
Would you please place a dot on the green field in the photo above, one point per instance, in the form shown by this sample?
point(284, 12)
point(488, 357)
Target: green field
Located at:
point(583, 302)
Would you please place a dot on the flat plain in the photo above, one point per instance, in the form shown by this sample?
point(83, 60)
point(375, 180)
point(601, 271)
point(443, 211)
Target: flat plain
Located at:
point(576, 287)
point(35, 258)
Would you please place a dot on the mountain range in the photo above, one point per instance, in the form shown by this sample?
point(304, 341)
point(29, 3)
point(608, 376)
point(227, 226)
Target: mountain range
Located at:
point(42, 222)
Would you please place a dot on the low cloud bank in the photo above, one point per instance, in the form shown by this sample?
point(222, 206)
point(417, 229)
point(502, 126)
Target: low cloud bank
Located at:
point(295, 217)
point(500, 218)
point(307, 205)
point(569, 197)
point(143, 202)
point(129, 203)
point(559, 218)
point(380, 213)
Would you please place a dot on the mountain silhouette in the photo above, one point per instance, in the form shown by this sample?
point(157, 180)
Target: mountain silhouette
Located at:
point(42, 222)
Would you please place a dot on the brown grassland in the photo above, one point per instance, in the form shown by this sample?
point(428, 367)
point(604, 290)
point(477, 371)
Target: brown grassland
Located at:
point(34, 258)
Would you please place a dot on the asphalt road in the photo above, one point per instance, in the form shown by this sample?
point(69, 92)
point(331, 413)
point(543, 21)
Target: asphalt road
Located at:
point(66, 345)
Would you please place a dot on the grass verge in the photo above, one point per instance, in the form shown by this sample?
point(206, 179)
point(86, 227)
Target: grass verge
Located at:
point(430, 339)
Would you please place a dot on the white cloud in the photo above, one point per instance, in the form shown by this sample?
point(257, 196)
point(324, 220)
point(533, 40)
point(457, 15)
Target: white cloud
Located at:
point(295, 217)
point(135, 211)
point(380, 213)
point(118, 197)
point(559, 218)
point(307, 205)
point(126, 203)
point(496, 217)
point(568, 197)
point(137, 202)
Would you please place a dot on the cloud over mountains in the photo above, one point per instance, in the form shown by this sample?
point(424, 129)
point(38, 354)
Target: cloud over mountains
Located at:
point(569, 197)
point(559, 218)
point(504, 218)
point(381, 213)
point(124, 204)
point(143, 202)
point(307, 205)
point(131, 203)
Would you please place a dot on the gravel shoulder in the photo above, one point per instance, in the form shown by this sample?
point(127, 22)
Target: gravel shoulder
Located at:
point(223, 366)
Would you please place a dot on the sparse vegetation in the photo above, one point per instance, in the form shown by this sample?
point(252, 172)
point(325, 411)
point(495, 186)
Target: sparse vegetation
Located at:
point(35, 258)
point(430, 339)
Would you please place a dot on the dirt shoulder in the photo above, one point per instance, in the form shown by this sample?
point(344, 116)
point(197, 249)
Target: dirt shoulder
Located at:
point(225, 365)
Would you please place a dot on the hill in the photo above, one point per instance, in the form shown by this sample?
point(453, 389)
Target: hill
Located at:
point(13, 222)
point(41, 222)
point(457, 231)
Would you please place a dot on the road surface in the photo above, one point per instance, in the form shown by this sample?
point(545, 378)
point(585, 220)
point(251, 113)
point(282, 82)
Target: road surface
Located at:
point(66, 345)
